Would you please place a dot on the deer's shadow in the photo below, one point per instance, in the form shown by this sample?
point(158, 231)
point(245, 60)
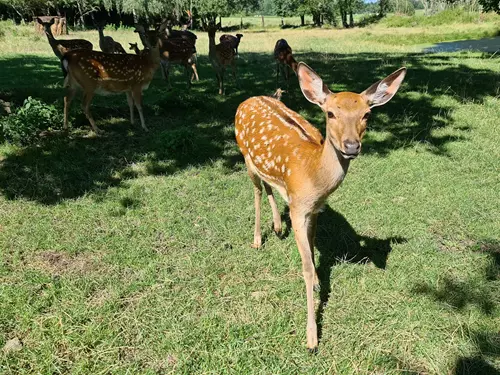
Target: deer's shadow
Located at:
point(337, 241)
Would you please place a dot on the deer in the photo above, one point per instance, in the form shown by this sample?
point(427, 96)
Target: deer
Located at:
point(61, 46)
point(221, 55)
point(134, 47)
point(284, 60)
point(283, 151)
point(103, 73)
point(106, 43)
point(174, 51)
point(234, 41)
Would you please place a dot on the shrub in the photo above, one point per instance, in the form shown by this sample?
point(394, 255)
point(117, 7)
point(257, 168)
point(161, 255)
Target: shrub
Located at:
point(26, 123)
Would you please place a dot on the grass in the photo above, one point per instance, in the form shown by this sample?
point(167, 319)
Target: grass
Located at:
point(129, 253)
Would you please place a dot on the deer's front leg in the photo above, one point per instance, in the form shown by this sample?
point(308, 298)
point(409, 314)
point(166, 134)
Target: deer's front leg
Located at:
point(311, 235)
point(300, 223)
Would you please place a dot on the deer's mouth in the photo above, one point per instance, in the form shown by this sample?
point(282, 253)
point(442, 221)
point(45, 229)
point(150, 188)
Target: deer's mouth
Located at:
point(348, 156)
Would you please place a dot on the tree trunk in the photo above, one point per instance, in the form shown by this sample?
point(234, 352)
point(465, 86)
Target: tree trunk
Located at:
point(241, 22)
point(351, 19)
point(282, 22)
point(302, 20)
point(262, 18)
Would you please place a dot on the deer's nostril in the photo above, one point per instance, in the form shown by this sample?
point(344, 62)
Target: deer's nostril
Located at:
point(351, 147)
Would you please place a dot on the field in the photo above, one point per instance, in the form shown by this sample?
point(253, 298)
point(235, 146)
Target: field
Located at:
point(129, 253)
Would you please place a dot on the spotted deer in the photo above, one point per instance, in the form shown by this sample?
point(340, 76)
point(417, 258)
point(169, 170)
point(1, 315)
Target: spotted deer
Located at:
point(284, 151)
point(106, 43)
point(103, 73)
point(221, 55)
point(284, 60)
point(61, 46)
point(174, 51)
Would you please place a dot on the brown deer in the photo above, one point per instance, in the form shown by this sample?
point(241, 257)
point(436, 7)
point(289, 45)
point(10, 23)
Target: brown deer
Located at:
point(106, 43)
point(103, 73)
point(234, 41)
point(174, 51)
point(284, 151)
point(284, 60)
point(61, 46)
point(221, 55)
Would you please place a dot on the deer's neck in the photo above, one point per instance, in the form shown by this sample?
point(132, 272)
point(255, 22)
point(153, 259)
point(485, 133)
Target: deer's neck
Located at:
point(333, 166)
point(211, 42)
point(101, 34)
point(50, 37)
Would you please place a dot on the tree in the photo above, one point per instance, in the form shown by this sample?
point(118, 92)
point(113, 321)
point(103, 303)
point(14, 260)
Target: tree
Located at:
point(490, 5)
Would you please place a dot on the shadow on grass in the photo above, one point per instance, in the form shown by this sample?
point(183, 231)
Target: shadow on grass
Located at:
point(337, 241)
point(195, 127)
point(488, 348)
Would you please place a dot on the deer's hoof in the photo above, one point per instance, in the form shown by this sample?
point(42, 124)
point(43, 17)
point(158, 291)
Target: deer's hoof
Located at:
point(313, 350)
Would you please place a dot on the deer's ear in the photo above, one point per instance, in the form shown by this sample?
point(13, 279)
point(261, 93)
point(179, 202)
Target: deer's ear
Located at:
point(219, 26)
point(382, 91)
point(39, 21)
point(312, 85)
point(52, 21)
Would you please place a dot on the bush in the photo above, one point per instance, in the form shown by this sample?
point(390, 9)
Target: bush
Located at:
point(26, 123)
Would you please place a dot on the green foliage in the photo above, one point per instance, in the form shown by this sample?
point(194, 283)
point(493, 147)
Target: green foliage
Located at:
point(26, 123)
point(490, 5)
point(179, 141)
point(446, 17)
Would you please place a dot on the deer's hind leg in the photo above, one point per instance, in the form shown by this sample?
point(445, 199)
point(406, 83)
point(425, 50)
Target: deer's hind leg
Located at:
point(274, 208)
point(257, 181)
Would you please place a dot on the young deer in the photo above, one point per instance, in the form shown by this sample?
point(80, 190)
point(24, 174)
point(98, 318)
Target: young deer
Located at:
point(61, 46)
point(104, 73)
point(221, 55)
point(284, 151)
point(106, 43)
point(174, 51)
point(284, 60)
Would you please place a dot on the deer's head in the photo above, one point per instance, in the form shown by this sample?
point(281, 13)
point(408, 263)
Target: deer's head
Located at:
point(347, 113)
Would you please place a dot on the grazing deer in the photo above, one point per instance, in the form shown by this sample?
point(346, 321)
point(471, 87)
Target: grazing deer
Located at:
point(284, 60)
point(174, 51)
point(284, 151)
point(61, 46)
point(106, 43)
point(234, 41)
point(103, 73)
point(221, 55)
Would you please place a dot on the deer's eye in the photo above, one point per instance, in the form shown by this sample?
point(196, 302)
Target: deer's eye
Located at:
point(330, 114)
point(366, 116)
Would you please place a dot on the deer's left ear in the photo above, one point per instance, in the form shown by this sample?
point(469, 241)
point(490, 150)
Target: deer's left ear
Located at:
point(219, 26)
point(381, 92)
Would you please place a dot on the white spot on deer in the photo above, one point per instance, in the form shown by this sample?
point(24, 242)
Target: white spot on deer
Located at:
point(261, 131)
point(283, 168)
point(236, 132)
point(252, 117)
point(286, 159)
point(263, 138)
point(269, 154)
point(256, 146)
point(242, 135)
point(289, 172)
point(278, 158)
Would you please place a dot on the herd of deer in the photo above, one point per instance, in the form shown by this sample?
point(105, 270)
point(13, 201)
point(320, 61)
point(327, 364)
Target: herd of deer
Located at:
point(281, 149)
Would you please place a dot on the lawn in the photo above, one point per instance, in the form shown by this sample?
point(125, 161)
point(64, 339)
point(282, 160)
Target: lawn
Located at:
point(129, 253)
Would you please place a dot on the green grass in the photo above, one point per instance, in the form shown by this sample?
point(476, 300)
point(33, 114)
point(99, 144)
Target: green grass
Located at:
point(129, 253)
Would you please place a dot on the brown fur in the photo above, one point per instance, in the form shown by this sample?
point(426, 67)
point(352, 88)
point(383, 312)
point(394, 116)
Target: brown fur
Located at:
point(284, 60)
point(221, 55)
point(284, 151)
point(104, 73)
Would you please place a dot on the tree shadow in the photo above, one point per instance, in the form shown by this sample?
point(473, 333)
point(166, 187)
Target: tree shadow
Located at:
point(487, 346)
point(194, 127)
point(489, 45)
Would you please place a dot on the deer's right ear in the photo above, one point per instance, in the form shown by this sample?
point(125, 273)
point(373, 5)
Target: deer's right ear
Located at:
point(39, 21)
point(312, 85)
point(52, 21)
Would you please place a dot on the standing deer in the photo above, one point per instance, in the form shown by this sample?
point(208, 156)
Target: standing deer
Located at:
point(221, 55)
point(284, 60)
point(284, 151)
point(61, 46)
point(103, 73)
point(106, 43)
point(234, 41)
point(174, 51)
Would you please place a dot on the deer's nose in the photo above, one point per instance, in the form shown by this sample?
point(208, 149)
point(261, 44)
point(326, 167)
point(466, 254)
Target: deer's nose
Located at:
point(352, 147)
